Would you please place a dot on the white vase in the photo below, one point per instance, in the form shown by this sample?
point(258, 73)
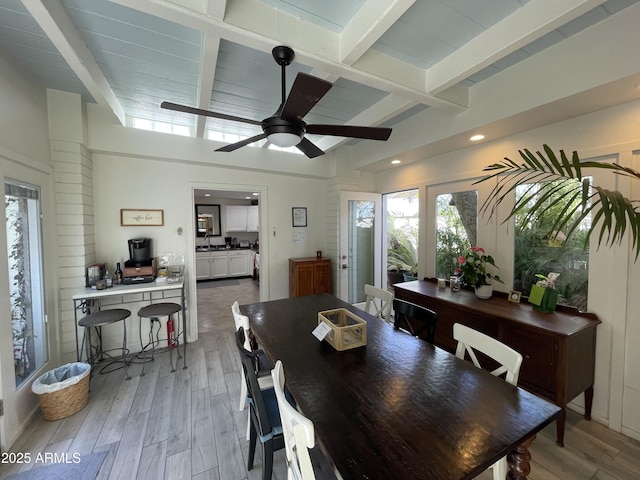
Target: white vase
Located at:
point(484, 291)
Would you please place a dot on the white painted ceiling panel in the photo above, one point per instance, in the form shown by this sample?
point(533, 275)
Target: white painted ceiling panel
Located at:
point(151, 51)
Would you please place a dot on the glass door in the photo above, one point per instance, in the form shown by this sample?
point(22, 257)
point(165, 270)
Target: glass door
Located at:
point(360, 244)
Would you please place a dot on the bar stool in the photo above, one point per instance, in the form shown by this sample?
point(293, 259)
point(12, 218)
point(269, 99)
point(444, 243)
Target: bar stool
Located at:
point(98, 320)
point(152, 312)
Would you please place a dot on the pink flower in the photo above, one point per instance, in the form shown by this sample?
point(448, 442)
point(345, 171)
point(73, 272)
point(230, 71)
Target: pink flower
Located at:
point(460, 259)
point(477, 249)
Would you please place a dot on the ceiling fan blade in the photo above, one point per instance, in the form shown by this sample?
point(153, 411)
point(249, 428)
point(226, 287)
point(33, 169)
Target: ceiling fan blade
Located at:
point(207, 113)
point(234, 146)
point(309, 149)
point(306, 91)
point(352, 131)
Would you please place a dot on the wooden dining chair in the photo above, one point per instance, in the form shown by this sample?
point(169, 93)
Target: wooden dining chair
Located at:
point(471, 341)
point(378, 302)
point(415, 319)
point(265, 379)
point(266, 425)
point(262, 367)
point(297, 430)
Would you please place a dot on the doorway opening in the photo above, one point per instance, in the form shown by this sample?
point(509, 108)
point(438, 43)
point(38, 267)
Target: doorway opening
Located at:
point(227, 254)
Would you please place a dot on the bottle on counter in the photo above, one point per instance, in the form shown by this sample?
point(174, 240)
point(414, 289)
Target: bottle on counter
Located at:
point(108, 279)
point(117, 276)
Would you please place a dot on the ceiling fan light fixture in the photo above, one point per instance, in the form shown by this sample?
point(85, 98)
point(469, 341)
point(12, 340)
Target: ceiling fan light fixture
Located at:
point(284, 139)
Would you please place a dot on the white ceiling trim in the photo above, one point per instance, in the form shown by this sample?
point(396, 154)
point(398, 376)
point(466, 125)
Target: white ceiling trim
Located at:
point(368, 25)
point(208, 62)
point(532, 21)
point(255, 25)
point(58, 26)
point(216, 8)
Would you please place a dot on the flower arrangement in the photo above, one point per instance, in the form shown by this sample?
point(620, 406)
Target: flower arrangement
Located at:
point(548, 281)
point(473, 268)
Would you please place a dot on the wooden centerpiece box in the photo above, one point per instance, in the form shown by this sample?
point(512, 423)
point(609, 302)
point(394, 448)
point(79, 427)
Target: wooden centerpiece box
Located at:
point(347, 329)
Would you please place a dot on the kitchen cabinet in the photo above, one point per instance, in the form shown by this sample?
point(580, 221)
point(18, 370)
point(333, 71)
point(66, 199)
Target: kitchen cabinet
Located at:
point(308, 276)
point(238, 263)
point(558, 348)
point(203, 271)
point(242, 218)
point(219, 264)
point(224, 264)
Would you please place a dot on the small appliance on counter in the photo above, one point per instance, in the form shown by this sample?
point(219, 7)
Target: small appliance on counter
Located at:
point(243, 244)
point(141, 267)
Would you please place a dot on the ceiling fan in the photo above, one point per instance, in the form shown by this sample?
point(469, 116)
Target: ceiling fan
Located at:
point(285, 128)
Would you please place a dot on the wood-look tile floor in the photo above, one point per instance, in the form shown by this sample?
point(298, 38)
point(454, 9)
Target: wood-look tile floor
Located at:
point(186, 425)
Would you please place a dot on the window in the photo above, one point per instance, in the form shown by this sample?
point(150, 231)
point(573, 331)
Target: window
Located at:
point(402, 210)
point(164, 127)
point(537, 252)
point(456, 229)
point(26, 283)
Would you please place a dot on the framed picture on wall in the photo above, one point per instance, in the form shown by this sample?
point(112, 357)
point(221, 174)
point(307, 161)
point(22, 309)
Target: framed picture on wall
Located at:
point(299, 216)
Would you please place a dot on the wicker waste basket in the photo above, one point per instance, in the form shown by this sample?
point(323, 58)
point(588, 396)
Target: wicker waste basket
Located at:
point(63, 391)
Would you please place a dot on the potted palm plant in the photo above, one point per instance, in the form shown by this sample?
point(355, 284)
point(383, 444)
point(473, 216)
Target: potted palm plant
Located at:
point(402, 260)
point(613, 215)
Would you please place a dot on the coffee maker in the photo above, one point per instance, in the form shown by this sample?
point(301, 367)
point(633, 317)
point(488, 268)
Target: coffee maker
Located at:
point(139, 252)
point(141, 266)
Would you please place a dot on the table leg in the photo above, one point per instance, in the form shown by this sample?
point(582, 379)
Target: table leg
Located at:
point(518, 461)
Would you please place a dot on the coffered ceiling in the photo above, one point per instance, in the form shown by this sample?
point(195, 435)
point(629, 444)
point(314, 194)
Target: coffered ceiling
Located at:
point(394, 63)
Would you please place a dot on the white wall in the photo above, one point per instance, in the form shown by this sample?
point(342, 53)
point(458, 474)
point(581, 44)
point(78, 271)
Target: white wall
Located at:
point(612, 135)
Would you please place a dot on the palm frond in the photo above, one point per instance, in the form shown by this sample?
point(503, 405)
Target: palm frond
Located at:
point(613, 214)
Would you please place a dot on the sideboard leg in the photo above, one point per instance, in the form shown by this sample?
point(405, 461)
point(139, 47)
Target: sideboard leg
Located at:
point(560, 422)
point(588, 402)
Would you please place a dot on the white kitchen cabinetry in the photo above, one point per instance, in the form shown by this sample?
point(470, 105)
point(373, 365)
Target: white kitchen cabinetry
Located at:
point(242, 218)
point(203, 271)
point(253, 221)
point(219, 265)
point(238, 263)
point(224, 264)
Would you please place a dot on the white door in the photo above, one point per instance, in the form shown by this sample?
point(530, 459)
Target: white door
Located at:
point(360, 257)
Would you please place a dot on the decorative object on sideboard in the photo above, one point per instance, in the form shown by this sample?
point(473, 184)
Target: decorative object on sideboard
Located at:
point(473, 272)
point(544, 295)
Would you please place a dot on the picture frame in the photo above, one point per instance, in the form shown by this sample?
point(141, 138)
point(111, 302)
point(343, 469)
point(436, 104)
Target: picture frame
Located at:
point(299, 216)
point(136, 217)
point(515, 296)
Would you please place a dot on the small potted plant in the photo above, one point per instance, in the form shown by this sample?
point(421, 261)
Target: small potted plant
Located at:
point(472, 269)
point(544, 295)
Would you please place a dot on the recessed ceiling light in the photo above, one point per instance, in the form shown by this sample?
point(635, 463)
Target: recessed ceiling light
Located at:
point(396, 161)
point(248, 198)
point(207, 194)
point(475, 138)
point(255, 194)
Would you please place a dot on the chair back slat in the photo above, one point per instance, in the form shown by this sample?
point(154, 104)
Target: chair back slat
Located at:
point(378, 302)
point(427, 319)
point(470, 341)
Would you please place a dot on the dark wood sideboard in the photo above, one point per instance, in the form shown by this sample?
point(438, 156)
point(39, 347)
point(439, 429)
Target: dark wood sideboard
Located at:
point(558, 348)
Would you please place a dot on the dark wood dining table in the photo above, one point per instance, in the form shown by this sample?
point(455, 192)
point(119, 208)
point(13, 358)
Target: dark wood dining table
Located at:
point(398, 407)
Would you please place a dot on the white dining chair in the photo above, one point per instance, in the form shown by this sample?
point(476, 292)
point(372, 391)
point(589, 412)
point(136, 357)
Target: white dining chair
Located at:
point(378, 302)
point(264, 381)
point(297, 429)
point(470, 341)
